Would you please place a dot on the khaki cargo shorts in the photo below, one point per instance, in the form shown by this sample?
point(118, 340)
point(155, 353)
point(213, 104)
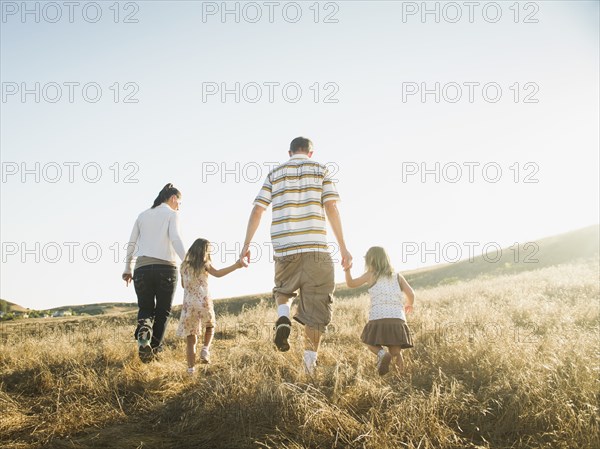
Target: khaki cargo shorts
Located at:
point(312, 274)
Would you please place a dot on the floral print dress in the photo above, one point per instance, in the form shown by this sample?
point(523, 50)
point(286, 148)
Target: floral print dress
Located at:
point(198, 310)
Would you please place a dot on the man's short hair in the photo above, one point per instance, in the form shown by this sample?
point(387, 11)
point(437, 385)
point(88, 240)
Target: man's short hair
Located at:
point(301, 144)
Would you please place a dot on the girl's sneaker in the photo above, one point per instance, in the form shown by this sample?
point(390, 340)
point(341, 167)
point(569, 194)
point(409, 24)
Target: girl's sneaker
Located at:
point(383, 362)
point(204, 356)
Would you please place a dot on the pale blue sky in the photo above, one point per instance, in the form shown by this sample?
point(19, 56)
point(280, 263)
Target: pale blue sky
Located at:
point(369, 133)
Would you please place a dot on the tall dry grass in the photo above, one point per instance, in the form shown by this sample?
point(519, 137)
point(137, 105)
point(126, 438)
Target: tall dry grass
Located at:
point(500, 362)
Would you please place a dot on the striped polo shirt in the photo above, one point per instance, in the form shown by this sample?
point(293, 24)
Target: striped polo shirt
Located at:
point(297, 190)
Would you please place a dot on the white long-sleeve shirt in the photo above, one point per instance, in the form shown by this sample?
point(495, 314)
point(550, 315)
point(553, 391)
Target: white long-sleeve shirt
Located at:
point(155, 234)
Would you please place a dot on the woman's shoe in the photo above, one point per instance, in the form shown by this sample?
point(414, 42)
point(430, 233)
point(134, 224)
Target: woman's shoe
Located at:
point(144, 348)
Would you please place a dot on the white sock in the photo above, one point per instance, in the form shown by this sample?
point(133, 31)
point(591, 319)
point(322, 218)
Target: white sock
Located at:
point(205, 347)
point(310, 358)
point(381, 352)
point(283, 310)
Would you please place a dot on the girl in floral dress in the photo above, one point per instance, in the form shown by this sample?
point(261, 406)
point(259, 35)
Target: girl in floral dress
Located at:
point(198, 310)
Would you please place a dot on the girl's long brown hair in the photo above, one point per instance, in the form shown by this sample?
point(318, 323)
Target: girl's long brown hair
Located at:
point(378, 262)
point(197, 258)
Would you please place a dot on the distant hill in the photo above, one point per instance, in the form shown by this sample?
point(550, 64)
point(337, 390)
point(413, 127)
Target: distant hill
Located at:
point(8, 307)
point(100, 308)
point(87, 309)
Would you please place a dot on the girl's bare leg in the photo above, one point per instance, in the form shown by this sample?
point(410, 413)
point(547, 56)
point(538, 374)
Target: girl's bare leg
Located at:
point(191, 350)
point(374, 349)
point(208, 336)
point(398, 358)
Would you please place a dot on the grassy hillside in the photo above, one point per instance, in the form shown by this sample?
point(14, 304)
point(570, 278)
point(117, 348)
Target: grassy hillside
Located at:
point(580, 244)
point(564, 248)
point(505, 361)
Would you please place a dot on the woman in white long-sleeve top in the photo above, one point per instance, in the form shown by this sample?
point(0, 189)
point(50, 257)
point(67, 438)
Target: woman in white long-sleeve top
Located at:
point(154, 246)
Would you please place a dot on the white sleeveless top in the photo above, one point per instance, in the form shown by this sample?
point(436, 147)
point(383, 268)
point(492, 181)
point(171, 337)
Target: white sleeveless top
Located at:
point(387, 299)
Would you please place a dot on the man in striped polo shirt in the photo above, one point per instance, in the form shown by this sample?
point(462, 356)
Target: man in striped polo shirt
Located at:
point(302, 194)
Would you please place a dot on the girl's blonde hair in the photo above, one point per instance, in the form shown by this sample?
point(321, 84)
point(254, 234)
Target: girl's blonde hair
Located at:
point(378, 262)
point(197, 259)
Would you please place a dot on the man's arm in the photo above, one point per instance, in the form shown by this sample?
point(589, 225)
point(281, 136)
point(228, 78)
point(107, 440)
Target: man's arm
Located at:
point(333, 215)
point(253, 222)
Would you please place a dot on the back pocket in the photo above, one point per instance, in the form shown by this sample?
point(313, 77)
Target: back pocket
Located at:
point(168, 281)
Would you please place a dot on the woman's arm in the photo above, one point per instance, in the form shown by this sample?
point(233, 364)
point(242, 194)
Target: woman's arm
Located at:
point(353, 283)
point(225, 271)
point(408, 291)
point(175, 236)
point(131, 247)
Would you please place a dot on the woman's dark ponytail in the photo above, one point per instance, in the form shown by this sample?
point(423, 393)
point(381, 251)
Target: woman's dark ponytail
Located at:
point(167, 192)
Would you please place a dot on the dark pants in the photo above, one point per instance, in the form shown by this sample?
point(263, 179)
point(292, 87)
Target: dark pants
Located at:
point(155, 287)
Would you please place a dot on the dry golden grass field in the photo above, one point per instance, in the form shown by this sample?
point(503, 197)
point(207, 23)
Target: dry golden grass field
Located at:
point(503, 361)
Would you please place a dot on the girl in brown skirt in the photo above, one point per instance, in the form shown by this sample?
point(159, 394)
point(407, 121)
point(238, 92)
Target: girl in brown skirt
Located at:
point(387, 319)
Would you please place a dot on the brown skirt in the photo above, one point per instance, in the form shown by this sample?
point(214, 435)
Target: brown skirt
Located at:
point(387, 332)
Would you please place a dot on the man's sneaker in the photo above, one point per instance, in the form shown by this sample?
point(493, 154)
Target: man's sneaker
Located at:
point(384, 359)
point(144, 348)
point(204, 356)
point(283, 327)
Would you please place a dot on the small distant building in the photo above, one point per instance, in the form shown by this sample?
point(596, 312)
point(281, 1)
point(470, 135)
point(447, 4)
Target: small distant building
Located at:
point(60, 313)
point(2, 314)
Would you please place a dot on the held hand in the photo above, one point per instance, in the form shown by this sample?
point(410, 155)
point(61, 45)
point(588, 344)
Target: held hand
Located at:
point(241, 263)
point(408, 309)
point(127, 278)
point(245, 254)
point(346, 259)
